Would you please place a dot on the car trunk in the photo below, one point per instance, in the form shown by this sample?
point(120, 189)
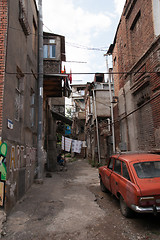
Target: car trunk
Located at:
point(149, 187)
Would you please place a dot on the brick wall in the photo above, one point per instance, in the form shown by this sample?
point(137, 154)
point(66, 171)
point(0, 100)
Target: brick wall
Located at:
point(136, 56)
point(135, 34)
point(3, 34)
point(51, 66)
point(148, 117)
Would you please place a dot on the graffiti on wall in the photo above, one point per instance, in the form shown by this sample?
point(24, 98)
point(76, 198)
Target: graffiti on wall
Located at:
point(3, 171)
point(21, 157)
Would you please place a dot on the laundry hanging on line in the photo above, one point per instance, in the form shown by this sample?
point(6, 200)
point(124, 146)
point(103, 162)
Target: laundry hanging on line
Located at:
point(66, 144)
point(76, 144)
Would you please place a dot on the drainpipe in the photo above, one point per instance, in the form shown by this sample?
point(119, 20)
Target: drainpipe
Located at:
point(111, 101)
point(126, 119)
point(95, 110)
point(40, 94)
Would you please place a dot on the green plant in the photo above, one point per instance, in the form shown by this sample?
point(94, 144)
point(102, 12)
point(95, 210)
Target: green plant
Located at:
point(95, 164)
point(68, 155)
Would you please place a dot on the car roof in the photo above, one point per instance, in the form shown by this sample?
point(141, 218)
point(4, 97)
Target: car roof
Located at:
point(131, 157)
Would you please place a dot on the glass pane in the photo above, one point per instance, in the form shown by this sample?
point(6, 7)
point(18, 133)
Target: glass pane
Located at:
point(32, 99)
point(45, 51)
point(32, 110)
point(147, 169)
point(32, 116)
point(53, 41)
point(117, 166)
point(52, 51)
point(125, 171)
point(110, 166)
point(17, 106)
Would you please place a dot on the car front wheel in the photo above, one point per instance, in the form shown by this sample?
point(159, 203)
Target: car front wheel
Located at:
point(125, 210)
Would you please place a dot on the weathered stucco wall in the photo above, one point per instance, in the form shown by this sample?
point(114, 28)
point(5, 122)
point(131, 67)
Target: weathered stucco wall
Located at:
point(20, 100)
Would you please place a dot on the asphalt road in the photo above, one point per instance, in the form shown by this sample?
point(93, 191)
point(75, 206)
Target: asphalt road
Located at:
point(71, 206)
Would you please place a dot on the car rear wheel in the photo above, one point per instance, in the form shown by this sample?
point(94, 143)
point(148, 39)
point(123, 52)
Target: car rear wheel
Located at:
point(125, 210)
point(103, 188)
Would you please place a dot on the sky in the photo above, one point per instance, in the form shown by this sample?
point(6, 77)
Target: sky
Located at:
point(89, 27)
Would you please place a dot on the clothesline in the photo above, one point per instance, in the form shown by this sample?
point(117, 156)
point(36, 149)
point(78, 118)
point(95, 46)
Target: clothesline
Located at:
point(76, 145)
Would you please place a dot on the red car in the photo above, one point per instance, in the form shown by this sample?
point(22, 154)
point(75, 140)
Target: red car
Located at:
point(135, 180)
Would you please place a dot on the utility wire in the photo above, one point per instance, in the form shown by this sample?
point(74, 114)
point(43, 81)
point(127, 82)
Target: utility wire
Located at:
point(75, 62)
point(18, 29)
point(85, 47)
point(76, 45)
point(91, 73)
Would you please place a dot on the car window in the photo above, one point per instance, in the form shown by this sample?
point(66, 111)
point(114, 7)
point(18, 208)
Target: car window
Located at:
point(110, 165)
point(117, 166)
point(147, 169)
point(125, 171)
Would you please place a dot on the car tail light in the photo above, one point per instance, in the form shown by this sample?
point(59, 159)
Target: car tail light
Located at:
point(147, 201)
point(158, 201)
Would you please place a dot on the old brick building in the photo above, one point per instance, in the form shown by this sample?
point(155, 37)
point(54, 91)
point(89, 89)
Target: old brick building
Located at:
point(136, 59)
point(19, 31)
point(18, 98)
point(3, 34)
point(56, 88)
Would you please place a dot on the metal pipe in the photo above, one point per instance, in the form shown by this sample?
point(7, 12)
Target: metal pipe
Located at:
point(111, 101)
point(40, 94)
point(98, 146)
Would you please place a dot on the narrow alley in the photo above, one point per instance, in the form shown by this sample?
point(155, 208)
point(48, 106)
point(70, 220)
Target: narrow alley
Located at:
point(70, 206)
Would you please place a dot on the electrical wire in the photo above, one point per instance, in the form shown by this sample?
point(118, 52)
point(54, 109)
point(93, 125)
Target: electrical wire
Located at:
point(92, 73)
point(75, 61)
point(85, 47)
point(76, 45)
point(18, 29)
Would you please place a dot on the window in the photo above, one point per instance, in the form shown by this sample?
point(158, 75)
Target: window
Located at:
point(32, 108)
point(117, 166)
point(135, 21)
point(34, 36)
point(110, 166)
point(147, 169)
point(23, 18)
point(19, 94)
point(17, 100)
point(125, 171)
point(114, 61)
point(17, 106)
point(82, 129)
point(158, 54)
point(49, 50)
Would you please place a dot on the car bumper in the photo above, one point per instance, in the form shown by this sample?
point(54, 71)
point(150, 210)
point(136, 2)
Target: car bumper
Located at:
point(153, 209)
